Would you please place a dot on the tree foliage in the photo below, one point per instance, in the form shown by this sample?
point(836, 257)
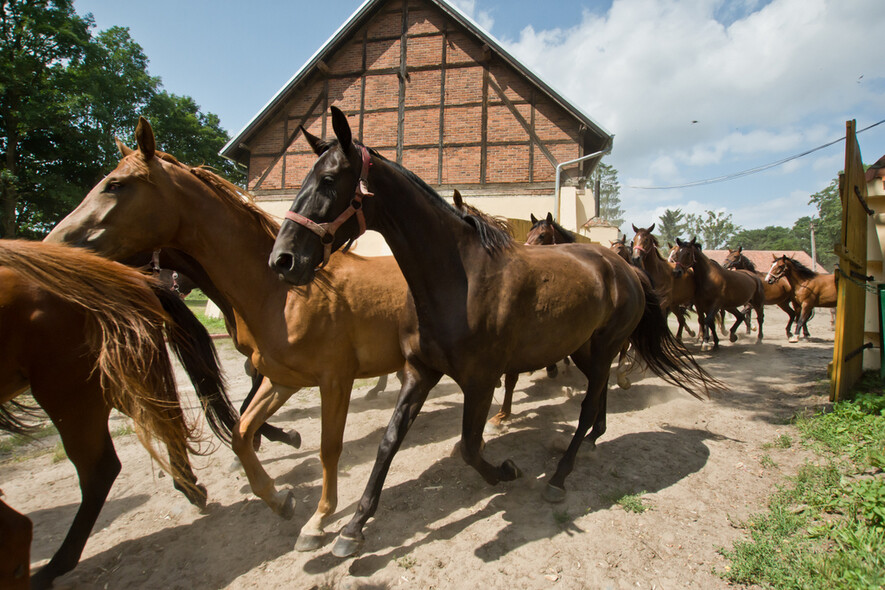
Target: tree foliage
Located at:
point(64, 95)
point(671, 225)
point(609, 194)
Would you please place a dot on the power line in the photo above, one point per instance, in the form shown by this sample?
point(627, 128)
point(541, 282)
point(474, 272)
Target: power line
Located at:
point(751, 170)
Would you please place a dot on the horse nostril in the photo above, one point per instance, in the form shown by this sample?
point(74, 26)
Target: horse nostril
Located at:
point(284, 261)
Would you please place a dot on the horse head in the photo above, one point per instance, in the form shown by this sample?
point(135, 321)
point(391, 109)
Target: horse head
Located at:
point(543, 231)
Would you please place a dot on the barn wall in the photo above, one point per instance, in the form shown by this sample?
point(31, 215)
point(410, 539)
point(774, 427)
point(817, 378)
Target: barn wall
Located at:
point(425, 93)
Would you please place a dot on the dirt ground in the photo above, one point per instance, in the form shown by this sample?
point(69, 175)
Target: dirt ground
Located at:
point(698, 465)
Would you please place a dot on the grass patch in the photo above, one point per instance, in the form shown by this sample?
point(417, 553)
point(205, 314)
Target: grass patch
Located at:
point(13, 442)
point(826, 528)
point(58, 453)
point(196, 302)
point(631, 502)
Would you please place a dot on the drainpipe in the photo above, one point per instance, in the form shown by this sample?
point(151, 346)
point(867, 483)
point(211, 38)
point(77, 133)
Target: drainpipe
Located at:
point(559, 167)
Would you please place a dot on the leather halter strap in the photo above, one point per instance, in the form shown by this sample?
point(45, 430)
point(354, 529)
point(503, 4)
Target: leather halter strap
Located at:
point(326, 231)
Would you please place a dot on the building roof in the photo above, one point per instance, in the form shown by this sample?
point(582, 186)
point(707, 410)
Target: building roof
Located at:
point(762, 259)
point(233, 150)
point(877, 170)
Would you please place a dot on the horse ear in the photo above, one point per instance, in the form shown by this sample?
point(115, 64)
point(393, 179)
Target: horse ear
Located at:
point(651, 229)
point(534, 219)
point(679, 242)
point(740, 249)
point(635, 230)
point(316, 144)
point(342, 129)
point(457, 198)
point(124, 149)
point(549, 217)
point(144, 136)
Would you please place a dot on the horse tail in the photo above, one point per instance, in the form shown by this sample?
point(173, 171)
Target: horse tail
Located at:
point(193, 347)
point(15, 418)
point(663, 354)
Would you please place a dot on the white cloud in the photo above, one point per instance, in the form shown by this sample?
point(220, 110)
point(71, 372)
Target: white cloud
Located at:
point(688, 84)
point(482, 18)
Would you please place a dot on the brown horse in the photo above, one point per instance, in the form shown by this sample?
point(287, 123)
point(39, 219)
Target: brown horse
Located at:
point(86, 335)
point(622, 248)
point(546, 232)
point(15, 549)
point(779, 293)
point(484, 306)
point(674, 292)
point(810, 289)
point(344, 327)
point(719, 289)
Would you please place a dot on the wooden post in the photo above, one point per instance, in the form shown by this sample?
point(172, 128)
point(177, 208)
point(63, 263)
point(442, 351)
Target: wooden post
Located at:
point(852, 252)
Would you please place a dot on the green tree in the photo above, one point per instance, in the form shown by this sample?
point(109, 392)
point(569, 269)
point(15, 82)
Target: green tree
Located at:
point(64, 96)
point(671, 225)
point(609, 194)
point(827, 223)
point(39, 40)
point(713, 229)
point(772, 237)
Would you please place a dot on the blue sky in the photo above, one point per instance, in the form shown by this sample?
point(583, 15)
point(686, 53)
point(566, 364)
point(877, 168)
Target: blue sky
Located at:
point(691, 89)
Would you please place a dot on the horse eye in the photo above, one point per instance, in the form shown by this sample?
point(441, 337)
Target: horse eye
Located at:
point(113, 187)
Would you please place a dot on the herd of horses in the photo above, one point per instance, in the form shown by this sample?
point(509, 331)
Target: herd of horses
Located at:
point(458, 297)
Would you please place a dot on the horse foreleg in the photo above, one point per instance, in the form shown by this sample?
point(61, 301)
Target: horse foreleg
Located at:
point(791, 313)
point(747, 312)
point(593, 409)
point(266, 402)
point(510, 380)
point(418, 380)
point(625, 363)
point(710, 319)
point(270, 432)
point(83, 428)
point(804, 314)
point(738, 318)
point(335, 399)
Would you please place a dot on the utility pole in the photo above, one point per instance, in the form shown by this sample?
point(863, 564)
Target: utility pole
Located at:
point(813, 252)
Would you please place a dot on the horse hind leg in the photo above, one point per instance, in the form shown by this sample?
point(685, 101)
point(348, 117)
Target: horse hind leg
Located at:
point(503, 414)
point(16, 533)
point(625, 364)
point(270, 432)
point(739, 317)
point(83, 428)
point(593, 413)
point(184, 479)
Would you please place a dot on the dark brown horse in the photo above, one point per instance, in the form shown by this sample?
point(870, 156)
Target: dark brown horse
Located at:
point(343, 328)
point(484, 306)
point(86, 335)
point(674, 292)
point(622, 248)
point(779, 293)
point(718, 289)
point(810, 289)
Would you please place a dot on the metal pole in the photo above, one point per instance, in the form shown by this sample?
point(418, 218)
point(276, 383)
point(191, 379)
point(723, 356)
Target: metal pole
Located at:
point(559, 168)
point(813, 252)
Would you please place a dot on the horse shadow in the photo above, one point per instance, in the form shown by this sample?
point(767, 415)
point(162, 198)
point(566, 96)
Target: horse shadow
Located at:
point(598, 481)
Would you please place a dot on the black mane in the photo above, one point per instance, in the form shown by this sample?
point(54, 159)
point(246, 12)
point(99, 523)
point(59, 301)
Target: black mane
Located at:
point(802, 271)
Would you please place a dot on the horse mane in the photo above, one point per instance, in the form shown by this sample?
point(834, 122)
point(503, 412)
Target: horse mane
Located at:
point(748, 264)
point(802, 271)
point(125, 328)
point(568, 236)
point(493, 237)
point(223, 189)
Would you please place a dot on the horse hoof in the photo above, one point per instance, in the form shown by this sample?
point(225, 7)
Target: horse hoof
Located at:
point(553, 494)
point(794, 339)
point(624, 383)
point(552, 371)
point(287, 507)
point(706, 346)
point(294, 439)
point(308, 542)
point(345, 546)
point(509, 471)
point(732, 337)
point(371, 395)
point(200, 498)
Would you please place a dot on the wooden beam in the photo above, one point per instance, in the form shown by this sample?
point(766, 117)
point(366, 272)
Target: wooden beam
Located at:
point(484, 136)
point(276, 157)
point(403, 74)
point(528, 129)
point(442, 105)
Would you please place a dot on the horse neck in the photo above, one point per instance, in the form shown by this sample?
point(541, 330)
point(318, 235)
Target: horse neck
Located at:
point(655, 264)
point(229, 244)
point(430, 243)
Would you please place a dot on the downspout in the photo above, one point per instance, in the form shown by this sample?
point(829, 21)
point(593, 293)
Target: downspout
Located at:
point(559, 167)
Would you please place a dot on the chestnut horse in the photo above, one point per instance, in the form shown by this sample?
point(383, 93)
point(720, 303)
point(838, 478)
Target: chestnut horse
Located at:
point(546, 232)
point(810, 289)
point(718, 289)
point(779, 293)
point(484, 306)
point(345, 326)
point(86, 335)
point(674, 292)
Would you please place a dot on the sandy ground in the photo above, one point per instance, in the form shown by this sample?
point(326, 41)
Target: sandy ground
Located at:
point(698, 465)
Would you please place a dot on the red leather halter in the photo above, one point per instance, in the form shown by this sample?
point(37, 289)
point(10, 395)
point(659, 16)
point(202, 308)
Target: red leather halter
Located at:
point(326, 231)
